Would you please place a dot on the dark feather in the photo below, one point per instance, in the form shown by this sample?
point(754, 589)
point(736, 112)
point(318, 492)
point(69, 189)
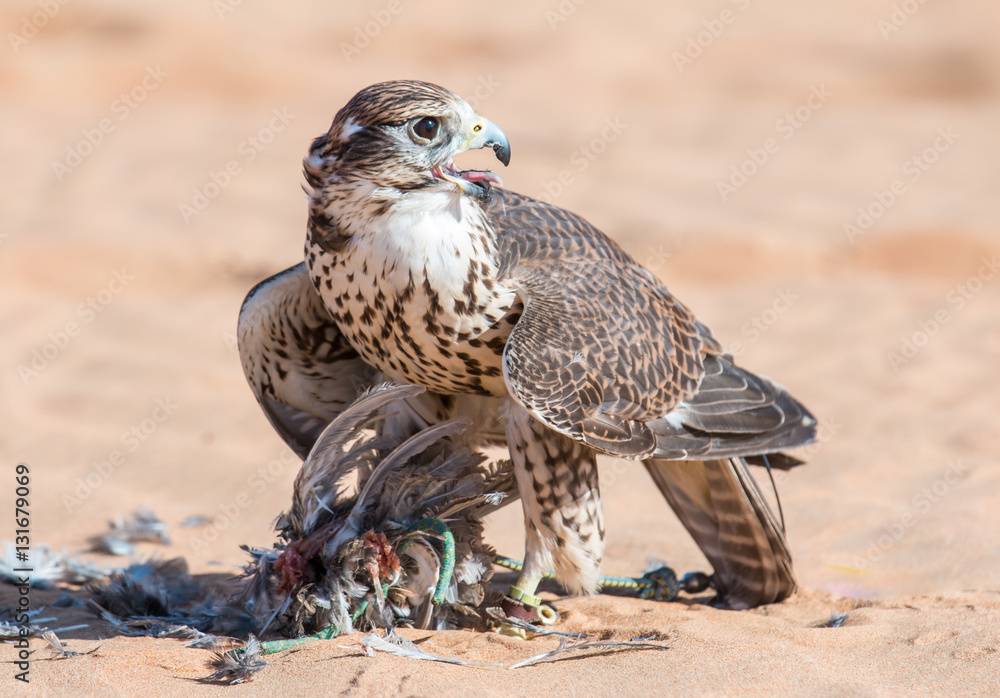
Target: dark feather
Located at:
point(236, 666)
point(723, 509)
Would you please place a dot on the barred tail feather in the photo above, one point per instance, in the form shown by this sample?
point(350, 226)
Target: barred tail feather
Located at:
point(723, 509)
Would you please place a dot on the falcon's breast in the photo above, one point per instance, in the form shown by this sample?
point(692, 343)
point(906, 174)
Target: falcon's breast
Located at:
point(414, 288)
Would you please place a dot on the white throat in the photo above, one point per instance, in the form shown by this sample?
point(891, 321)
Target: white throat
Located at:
point(436, 235)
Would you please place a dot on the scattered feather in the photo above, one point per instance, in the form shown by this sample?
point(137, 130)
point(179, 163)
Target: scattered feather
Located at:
point(565, 646)
point(144, 526)
point(104, 615)
point(112, 546)
point(147, 589)
point(207, 641)
point(401, 647)
point(494, 498)
point(161, 599)
point(47, 567)
point(9, 632)
point(160, 629)
point(67, 600)
point(236, 666)
point(62, 651)
point(836, 620)
point(501, 618)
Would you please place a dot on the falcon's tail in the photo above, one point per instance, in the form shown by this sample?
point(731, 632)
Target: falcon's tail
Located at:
point(723, 509)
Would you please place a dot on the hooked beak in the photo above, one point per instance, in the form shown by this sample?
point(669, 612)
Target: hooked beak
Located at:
point(483, 134)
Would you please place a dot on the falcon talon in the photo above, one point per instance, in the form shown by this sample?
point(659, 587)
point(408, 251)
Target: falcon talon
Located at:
point(512, 631)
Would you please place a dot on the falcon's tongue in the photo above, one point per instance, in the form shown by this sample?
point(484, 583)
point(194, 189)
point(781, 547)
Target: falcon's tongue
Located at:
point(450, 172)
point(480, 176)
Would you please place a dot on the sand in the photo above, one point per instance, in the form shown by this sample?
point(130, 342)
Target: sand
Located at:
point(152, 171)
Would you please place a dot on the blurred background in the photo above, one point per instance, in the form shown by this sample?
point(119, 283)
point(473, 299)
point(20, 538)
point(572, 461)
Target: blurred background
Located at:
point(818, 181)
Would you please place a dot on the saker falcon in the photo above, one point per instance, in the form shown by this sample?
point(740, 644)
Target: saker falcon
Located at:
point(422, 273)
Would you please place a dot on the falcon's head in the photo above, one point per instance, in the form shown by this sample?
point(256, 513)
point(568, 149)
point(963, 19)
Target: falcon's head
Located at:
point(403, 135)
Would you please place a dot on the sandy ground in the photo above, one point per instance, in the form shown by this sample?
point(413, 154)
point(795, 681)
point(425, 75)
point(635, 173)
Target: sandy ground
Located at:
point(120, 385)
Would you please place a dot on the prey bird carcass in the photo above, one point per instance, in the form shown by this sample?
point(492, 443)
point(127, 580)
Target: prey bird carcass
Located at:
point(385, 527)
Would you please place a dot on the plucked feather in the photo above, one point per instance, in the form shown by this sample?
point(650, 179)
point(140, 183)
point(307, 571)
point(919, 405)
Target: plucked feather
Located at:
point(320, 484)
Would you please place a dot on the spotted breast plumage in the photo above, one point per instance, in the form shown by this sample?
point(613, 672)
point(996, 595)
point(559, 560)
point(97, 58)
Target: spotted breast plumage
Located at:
point(505, 306)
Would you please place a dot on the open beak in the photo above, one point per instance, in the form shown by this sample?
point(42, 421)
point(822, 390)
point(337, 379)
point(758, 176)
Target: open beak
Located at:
point(484, 134)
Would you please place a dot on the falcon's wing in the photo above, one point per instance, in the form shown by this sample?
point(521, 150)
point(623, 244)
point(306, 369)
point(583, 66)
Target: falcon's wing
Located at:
point(301, 369)
point(602, 351)
point(304, 373)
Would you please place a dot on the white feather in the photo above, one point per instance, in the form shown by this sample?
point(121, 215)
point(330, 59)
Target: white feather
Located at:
point(350, 128)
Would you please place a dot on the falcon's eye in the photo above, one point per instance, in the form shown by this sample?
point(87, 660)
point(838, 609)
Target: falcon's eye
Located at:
point(426, 128)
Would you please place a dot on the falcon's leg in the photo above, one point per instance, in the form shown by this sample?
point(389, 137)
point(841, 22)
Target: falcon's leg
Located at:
point(563, 519)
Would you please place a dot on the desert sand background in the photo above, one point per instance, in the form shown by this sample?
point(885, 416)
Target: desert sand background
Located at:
point(121, 386)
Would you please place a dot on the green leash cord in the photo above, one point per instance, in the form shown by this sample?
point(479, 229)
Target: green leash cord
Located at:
point(274, 646)
point(660, 584)
point(435, 526)
point(438, 528)
point(327, 633)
